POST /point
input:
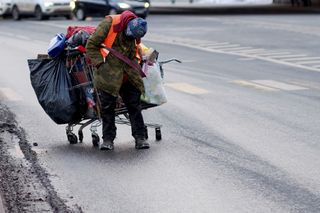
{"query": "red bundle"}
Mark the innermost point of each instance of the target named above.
(71, 30)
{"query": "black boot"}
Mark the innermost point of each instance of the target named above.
(107, 145)
(142, 143)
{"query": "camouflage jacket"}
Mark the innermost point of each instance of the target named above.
(109, 76)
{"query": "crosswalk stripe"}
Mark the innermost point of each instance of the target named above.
(236, 49)
(252, 51)
(269, 85)
(254, 85)
(226, 46)
(216, 44)
(187, 88)
(279, 85)
(206, 42)
(301, 59)
(220, 46)
(280, 57)
(308, 62)
(212, 44)
(287, 56)
(246, 59)
(272, 54)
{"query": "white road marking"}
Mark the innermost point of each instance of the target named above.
(309, 62)
(279, 85)
(301, 59)
(270, 54)
(215, 44)
(246, 59)
(226, 46)
(8, 94)
(252, 51)
(187, 88)
(236, 49)
(288, 56)
(254, 85)
(261, 54)
(204, 43)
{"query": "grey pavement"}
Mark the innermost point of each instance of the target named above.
(197, 8)
(1, 206)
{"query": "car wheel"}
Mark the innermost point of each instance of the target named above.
(15, 13)
(38, 13)
(80, 14)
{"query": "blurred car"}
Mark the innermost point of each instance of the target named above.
(100, 8)
(5, 8)
(41, 9)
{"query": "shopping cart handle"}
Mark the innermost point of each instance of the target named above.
(164, 62)
(168, 61)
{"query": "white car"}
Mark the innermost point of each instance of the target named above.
(41, 9)
(5, 7)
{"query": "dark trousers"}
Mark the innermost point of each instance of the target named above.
(131, 98)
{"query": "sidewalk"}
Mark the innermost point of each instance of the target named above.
(194, 8)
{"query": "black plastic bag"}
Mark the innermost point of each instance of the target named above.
(52, 84)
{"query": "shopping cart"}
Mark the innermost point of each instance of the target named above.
(81, 70)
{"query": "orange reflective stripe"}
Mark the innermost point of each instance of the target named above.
(138, 53)
(111, 37)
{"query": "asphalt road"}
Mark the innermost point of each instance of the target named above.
(240, 130)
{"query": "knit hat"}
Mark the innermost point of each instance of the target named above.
(136, 28)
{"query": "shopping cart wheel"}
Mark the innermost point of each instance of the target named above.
(80, 135)
(146, 132)
(95, 139)
(72, 138)
(158, 134)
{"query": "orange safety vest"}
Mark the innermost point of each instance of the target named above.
(111, 37)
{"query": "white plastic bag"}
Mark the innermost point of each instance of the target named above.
(153, 84)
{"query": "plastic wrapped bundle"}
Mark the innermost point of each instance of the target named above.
(153, 84)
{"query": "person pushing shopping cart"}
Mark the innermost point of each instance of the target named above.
(114, 51)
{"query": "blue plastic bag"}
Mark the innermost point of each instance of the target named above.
(56, 45)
